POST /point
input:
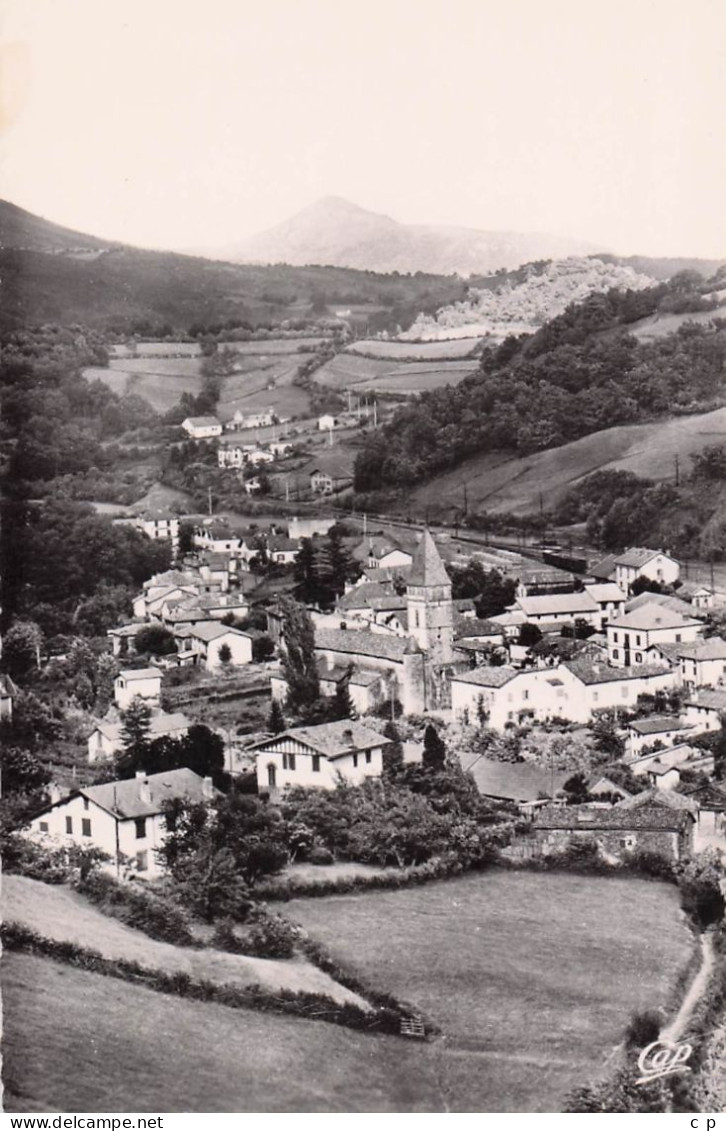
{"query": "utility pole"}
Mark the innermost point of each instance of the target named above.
(209, 497)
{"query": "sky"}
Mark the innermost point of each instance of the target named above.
(180, 124)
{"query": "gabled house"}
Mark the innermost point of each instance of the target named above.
(703, 663)
(319, 756)
(144, 683)
(202, 427)
(631, 635)
(122, 818)
(610, 599)
(208, 639)
(106, 738)
(642, 734)
(640, 562)
(560, 608)
(704, 709)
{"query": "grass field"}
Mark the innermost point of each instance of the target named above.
(658, 325)
(62, 914)
(79, 1042)
(497, 483)
(157, 349)
(415, 351)
(532, 977)
(365, 374)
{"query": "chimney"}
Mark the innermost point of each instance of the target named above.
(207, 787)
(144, 787)
(54, 793)
(348, 736)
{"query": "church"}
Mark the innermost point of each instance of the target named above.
(415, 666)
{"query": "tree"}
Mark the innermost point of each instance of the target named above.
(156, 640)
(186, 539)
(22, 771)
(529, 635)
(21, 648)
(225, 655)
(336, 564)
(298, 657)
(263, 648)
(305, 572)
(276, 719)
(342, 706)
(434, 749)
(393, 752)
(200, 749)
(576, 789)
(135, 728)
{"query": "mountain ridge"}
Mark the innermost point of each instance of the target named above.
(336, 232)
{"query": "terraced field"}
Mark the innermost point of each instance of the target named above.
(415, 351)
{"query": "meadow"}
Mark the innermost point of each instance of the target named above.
(530, 977)
(415, 351)
(498, 482)
(366, 374)
(160, 381)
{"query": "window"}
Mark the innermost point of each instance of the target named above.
(615, 638)
(595, 696)
(316, 763)
(140, 828)
(615, 653)
(637, 639)
(142, 861)
(525, 694)
(288, 761)
(368, 757)
(86, 826)
(69, 825)
(85, 803)
(678, 638)
(638, 658)
(44, 826)
(355, 760)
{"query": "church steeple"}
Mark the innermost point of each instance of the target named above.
(430, 608)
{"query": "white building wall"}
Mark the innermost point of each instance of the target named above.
(126, 688)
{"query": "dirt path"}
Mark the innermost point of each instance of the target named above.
(679, 1024)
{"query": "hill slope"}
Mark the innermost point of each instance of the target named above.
(51, 274)
(501, 483)
(337, 232)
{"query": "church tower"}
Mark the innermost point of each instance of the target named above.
(430, 608)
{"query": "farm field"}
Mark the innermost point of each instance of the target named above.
(531, 977)
(415, 351)
(157, 349)
(248, 388)
(496, 482)
(271, 346)
(120, 1047)
(160, 381)
(365, 374)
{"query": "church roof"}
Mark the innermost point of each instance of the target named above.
(427, 567)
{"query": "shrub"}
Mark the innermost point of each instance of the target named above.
(141, 909)
(272, 937)
(643, 1029)
(319, 854)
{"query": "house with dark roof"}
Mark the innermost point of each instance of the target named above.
(643, 734)
(124, 818)
(639, 561)
(703, 662)
(319, 756)
(704, 709)
(560, 608)
(631, 635)
(142, 683)
(520, 783)
(210, 641)
(615, 832)
(106, 738)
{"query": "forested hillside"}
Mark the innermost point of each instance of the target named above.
(580, 373)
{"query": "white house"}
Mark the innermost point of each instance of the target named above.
(640, 562)
(282, 550)
(142, 682)
(216, 536)
(703, 663)
(645, 733)
(160, 525)
(563, 608)
(202, 427)
(326, 423)
(658, 761)
(233, 455)
(631, 635)
(704, 710)
(319, 756)
(106, 740)
(122, 818)
(243, 420)
(209, 638)
(573, 690)
(609, 597)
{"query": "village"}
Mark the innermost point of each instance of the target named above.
(591, 705)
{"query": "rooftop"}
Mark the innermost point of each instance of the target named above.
(427, 567)
(550, 603)
(334, 740)
(636, 556)
(603, 591)
(202, 421)
(713, 649)
(623, 816)
(487, 676)
(652, 615)
(605, 567)
(590, 673)
(360, 643)
(715, 700)
(139, 673)
(126, 799)
(657, 724)
(514, 781)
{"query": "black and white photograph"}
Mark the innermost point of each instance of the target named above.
(362, 558)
